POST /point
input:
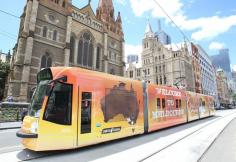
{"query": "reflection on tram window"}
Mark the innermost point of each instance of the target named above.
(158, 103)
(86, 112)
(163, 103)
(58, 108)
(177, 104)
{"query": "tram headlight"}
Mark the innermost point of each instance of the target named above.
(34, 127)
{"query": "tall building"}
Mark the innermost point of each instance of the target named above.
(132, 59)
(162, 65)
(208, 75)
(162, 36)
(222, 61)
(56, 33)
(222, 87)
(234, 76)
(196, 68)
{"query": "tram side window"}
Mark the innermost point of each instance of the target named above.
(163, 103)
(177, 103)
(180, 104)
(59, 105)
(86, 105)
(203, 103)
(158, 103)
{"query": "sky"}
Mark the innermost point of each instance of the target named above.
(210, 23)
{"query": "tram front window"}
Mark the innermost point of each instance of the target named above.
(59, 106)
(37, 99)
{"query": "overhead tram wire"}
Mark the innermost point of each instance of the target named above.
(10, 14)
(7, 33)
(8, 36)
(163, 10)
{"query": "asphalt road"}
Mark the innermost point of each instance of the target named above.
(9, 143)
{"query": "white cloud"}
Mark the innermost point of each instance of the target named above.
(123, 2)
(203, 27)
(216, 46)
(142, 6)
(233, 67)
(127, 20)
(133, 49)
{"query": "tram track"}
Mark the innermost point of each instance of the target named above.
(188, 135)
(27, 155)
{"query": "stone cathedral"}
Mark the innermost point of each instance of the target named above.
(56, 33)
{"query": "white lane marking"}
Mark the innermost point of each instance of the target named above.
(11, 147)
(10, 157)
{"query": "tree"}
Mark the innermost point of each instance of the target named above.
(234, 98)
(4, 71)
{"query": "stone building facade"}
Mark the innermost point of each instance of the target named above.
(56, 33)
(163, 65)
(222, 87)
(196, 68)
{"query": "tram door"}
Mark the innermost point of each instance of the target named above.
(86, 105)
(85, 136)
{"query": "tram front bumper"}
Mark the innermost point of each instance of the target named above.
(26, 135)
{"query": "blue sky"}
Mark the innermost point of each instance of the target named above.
(210, 23)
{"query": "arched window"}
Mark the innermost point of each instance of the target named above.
(98, 58)
(165, 81)
(72, 48)
(85, 52)
(54, 35)
(45, 31)
(46, 61)
(64, 4)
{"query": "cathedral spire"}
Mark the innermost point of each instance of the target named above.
(105, 10)
(106, 3)
(148, 31)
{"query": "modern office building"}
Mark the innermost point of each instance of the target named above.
(162, 36)
(208, 75)
(222, 61)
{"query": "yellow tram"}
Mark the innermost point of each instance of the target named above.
(74, 107)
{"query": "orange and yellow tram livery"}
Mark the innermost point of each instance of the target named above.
(74, 107)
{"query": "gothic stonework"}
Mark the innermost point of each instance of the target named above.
(56, 33)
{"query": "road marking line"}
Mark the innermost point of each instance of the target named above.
(8, 131)
(11, 147)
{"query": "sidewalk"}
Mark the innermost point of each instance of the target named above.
(10, 125)
(224, 147)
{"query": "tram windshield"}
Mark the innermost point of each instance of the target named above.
(43, 79)
(37, 99)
